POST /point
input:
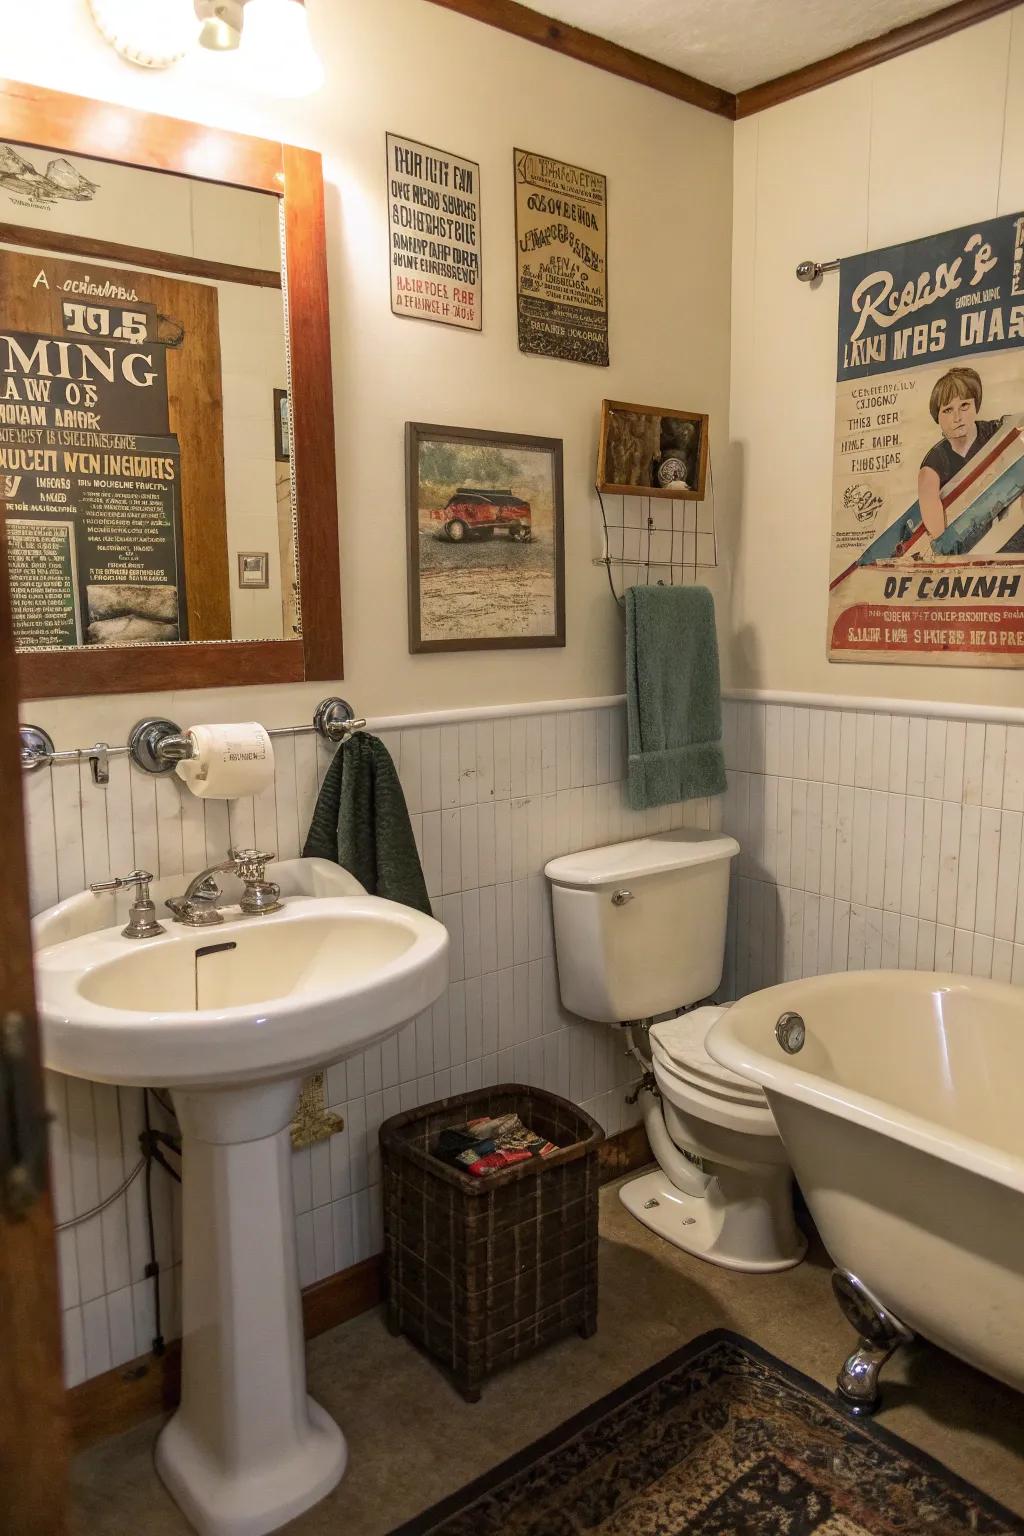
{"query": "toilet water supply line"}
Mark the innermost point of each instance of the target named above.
(687, 1175)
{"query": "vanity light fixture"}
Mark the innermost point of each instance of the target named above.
(277, 48)
(271, 37)
(222, 24)
(152, 33)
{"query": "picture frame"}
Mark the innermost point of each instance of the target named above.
(638, 441)
(282, 426)
(486, 540)
(253, 568)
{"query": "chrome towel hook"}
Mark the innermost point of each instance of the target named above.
(332, 719)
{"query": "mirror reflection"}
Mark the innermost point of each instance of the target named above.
(144, 430)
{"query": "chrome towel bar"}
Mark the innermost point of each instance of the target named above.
(156, 745)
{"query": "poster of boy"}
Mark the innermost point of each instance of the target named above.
(927, 548)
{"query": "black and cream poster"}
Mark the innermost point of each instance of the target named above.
(90, 478)
(561, 259)
(434, 234)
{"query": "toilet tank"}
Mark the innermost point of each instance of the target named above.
(640, 926)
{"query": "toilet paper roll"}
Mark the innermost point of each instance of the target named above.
(228, 761)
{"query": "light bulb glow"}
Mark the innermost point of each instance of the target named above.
(277, 52)
(151, 33)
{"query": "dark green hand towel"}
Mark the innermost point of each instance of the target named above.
(673, 697)
(361, 822)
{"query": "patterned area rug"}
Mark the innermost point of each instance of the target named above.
(719, 1439)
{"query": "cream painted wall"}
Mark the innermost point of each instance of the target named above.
(923, 143)
(414, 68)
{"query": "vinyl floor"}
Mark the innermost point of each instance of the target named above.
(412, 1439)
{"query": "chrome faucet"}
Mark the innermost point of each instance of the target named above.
(197, 908)
(142, 923)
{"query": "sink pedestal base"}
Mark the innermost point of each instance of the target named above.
(247, 1449)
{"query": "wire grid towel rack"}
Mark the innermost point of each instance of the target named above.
(657, 538)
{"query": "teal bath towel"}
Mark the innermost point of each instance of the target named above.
(361, 822)
(673, 697)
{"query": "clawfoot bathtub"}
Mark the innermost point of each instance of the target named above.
(899, 1102)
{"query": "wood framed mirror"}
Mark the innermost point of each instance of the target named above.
(153, 428)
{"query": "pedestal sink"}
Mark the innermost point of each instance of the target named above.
(231, 1018)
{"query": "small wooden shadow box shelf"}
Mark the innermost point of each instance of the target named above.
(483, 1271)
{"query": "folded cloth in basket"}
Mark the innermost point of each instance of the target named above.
(489, 1143)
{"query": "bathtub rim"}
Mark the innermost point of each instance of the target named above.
(787, 1078)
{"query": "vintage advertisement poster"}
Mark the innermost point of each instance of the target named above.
(434, 234)
(561, 259)
(89, 477)
(111, 435)
(927, 558)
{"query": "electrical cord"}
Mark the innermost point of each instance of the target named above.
(152, 1269)
(151, 1141)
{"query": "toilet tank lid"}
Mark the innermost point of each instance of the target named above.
(652, 855)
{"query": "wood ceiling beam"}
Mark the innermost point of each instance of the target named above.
(914, 34)
(574, 43)
(509, 16)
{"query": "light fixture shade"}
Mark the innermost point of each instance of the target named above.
(222, 24)
(277, 51)
(151, 33)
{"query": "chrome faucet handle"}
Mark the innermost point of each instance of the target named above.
(250, 863)
(260, 895)
(142, 923)
(139, 877)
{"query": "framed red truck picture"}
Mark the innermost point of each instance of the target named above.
(486, 547)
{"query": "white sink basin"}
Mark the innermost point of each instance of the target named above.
(231, 1017)
(252, 999)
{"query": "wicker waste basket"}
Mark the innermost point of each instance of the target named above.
(482, 1271)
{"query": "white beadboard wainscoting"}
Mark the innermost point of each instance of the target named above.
(869, 837)
(872, 838)
(491, 801)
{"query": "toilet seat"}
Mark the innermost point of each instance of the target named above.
(704, 1091)
(678, 1046)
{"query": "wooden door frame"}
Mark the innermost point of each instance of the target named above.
(33, 1425)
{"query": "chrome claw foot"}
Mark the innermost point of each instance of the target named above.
(857, 1382)
(881, 1334)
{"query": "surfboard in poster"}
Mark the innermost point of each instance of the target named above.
(927, 549)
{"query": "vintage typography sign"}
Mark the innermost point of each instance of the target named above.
(434, 234)
(111, 420)
(89, 470)
(89, 478)
(927, 559)
(561, 259)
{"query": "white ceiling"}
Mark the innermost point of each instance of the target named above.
(735, 44)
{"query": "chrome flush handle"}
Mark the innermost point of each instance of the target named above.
(620, 897)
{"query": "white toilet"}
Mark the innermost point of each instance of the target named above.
(639, 932)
